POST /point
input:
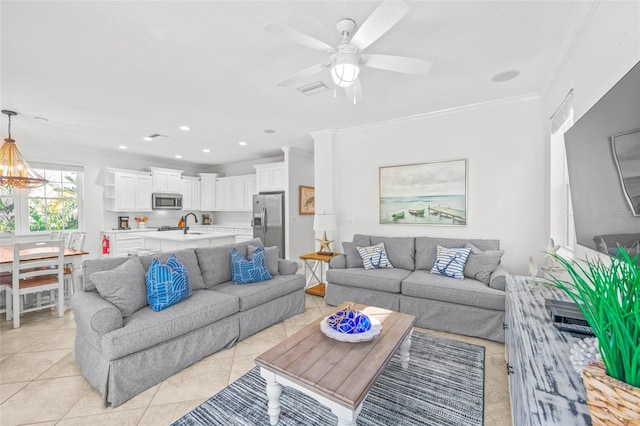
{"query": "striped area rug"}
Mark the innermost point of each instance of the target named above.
(444, 385)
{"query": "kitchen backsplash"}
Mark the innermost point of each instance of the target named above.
(160, 218)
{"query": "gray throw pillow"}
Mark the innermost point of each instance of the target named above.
(353, 257)
(480, 264)
(271, 256)
(124, 286)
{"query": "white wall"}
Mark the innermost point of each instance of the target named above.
(503, 142)
(606, 47)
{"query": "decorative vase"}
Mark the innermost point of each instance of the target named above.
(611, 401)
(142, 225)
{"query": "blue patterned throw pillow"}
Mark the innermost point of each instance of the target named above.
(252, 269)
(450, 262)
(374, 257)
(167, 283)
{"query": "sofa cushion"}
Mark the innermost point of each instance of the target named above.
(271, 256)
(167, 283)
(450, 262)
(247, 270)
(90, 266)
(470, 292)
(480, 264)
(426, 248)
(400, 250)
(353, 257)
(374, 257)
(215, 262)
(257, 294)
(187, 257)
(387, 280)
(147, 328)
(123, 286)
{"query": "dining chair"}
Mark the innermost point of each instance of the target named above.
(55, 235)
(37, 267)
(76, 242)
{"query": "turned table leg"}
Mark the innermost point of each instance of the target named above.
(274, 390)
(404, 351)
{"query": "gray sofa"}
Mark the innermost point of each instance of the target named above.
(123, 356)
(469, 306)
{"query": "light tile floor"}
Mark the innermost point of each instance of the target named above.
(40, 383)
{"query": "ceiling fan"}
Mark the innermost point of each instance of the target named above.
(347, 58)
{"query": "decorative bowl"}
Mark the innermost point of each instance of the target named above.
(350, 325)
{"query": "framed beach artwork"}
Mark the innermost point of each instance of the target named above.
(307, 200)
(424, 194)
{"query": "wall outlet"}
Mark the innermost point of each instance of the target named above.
(349, 221)
(294, 219)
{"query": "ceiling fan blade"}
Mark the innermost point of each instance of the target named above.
(397, 63)
(378, 23)
(298, 37)
(354, 92)
(304, 74)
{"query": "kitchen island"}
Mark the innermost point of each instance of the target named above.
(176, 240)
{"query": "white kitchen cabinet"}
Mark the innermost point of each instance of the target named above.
(208, 186)
(122, 244)
(191, 193)
(166, 180)
(270, 177)
(249, 191)
(231, 193)
(127, 190)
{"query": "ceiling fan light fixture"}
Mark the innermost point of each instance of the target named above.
(16, 172)
(345, 69)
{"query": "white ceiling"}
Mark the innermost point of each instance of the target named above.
(106, 74)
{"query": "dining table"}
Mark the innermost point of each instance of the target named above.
(71, 256)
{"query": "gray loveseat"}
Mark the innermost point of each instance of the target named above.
(469, 306)
(123, 356)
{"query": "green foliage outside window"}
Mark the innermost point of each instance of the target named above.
(52, 207)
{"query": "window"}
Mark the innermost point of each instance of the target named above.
(55, 206)
(7, 217)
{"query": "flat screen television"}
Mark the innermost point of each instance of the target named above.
(603, 160)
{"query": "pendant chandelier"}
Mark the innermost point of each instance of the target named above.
(15, 170)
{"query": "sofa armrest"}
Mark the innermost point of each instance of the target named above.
(287, 267)
(94, 315)
(498, 278)
(338, 262)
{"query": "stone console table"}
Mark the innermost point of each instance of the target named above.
(544, 388)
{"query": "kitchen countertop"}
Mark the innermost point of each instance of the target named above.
(125, 231)
(191, 236)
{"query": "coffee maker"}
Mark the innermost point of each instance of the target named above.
(206, 219)
(123, 222)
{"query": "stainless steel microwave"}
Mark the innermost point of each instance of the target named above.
(166, 201)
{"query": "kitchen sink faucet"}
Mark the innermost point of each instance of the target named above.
(184, 219)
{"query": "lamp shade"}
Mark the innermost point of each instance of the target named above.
(345, 70)
(324, 222)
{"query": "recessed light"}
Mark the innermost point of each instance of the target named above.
(178, 156)
(242, 143)
(269, 131)
(505, 76)
(148, 138)
(206, 150)
(185, 128)
(122, 147)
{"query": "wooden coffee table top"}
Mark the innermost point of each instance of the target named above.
(340, 371)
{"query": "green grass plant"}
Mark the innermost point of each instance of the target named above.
(608, 294)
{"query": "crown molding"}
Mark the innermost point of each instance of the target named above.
(454, 110)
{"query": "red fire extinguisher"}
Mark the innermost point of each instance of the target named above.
(105, 244)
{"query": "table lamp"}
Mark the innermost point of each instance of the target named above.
(324, 222)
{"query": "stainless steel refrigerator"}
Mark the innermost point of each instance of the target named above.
(268, 219)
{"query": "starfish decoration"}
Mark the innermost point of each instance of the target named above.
(325, 244)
